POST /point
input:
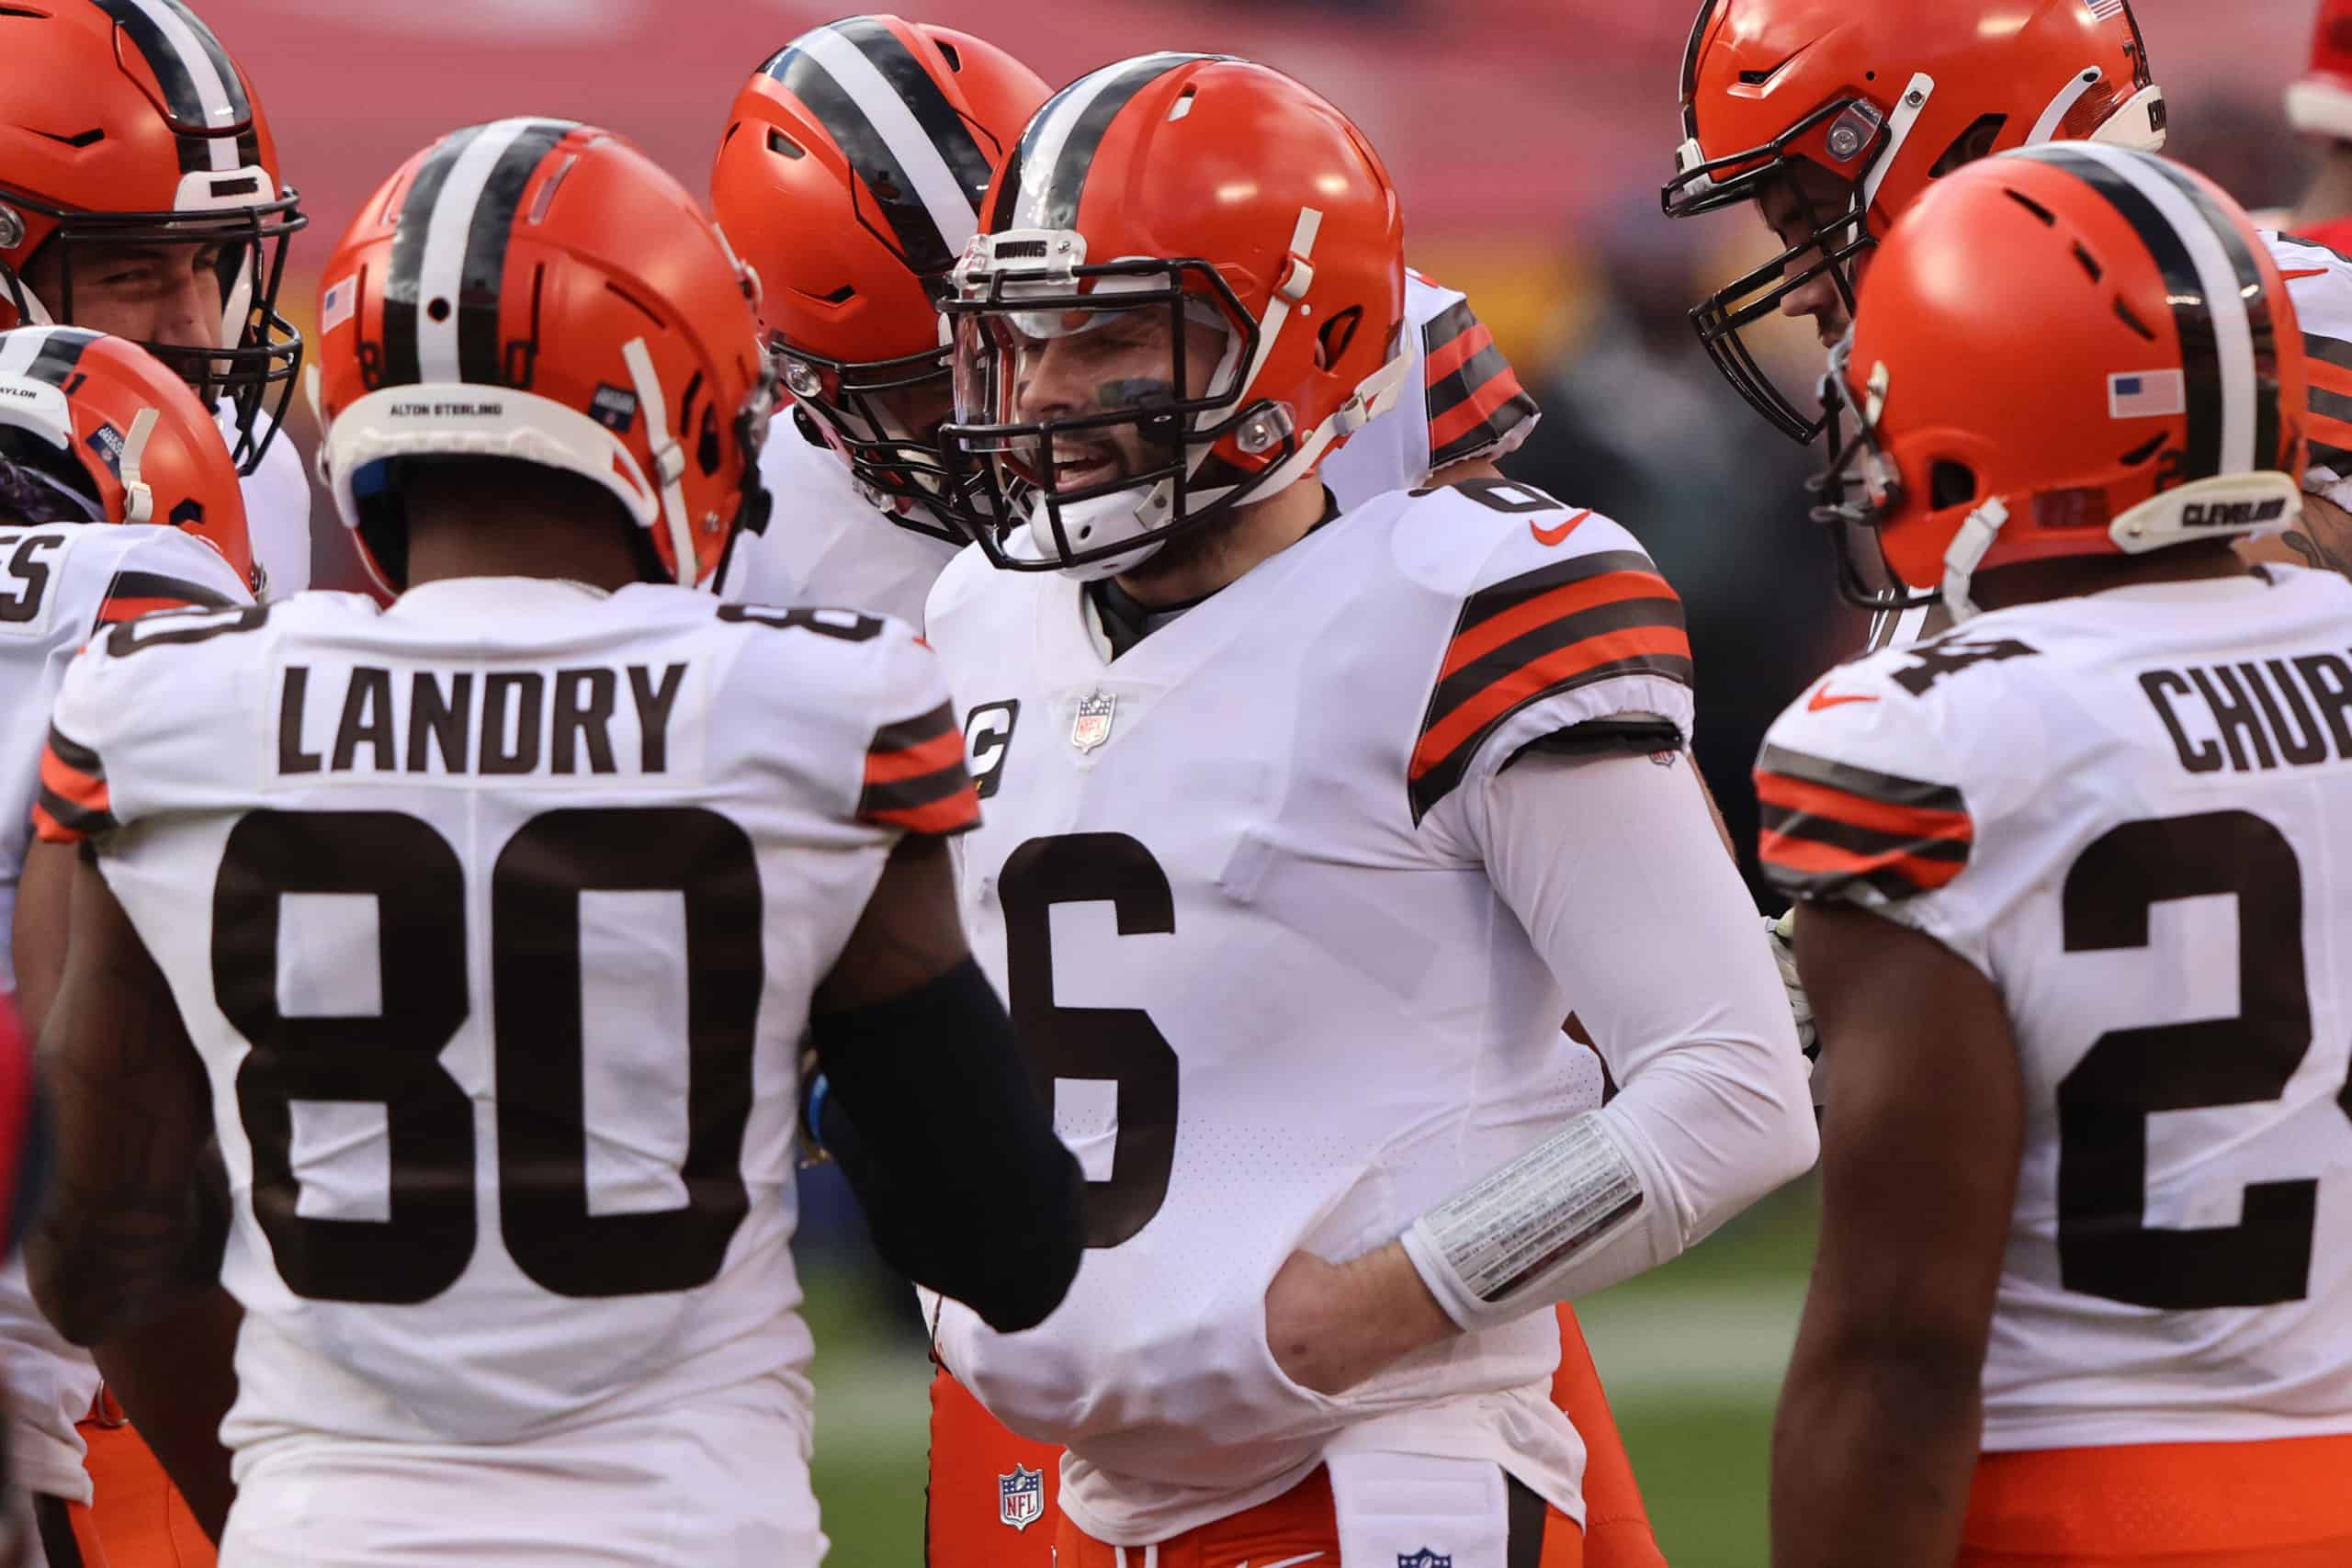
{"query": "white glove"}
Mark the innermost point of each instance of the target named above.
(1781, 933)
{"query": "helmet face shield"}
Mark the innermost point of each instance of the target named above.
(883, 417)
(254, 365)
(1120, 467)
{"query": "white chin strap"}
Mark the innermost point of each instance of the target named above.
(1966, 552)
(669, 459)
(138, 502)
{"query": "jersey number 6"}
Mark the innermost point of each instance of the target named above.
(391, 1059)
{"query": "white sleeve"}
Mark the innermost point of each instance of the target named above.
(1615, 869)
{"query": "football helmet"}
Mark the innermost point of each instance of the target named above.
(1887, 99)
(2320, 104)
(1211, 191)
(539, 289)
(128, 124)
(2067, 350)
(850, 178)
(95, 429)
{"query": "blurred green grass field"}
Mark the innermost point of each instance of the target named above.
(1691, 1355)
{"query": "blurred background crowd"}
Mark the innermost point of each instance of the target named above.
(1529, 139)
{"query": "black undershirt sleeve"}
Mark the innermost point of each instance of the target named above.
(931, 1115)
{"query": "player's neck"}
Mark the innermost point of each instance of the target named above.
(508, 519)
(2030, 583)
(2330, 195)
(1190, 569)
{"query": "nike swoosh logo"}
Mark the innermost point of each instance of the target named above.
(1543, 536)
(2289, 276)
(1822, 699)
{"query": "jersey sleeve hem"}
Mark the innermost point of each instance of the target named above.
(74, 804)
(1833, 829)
(915, 779)
(1476, 405)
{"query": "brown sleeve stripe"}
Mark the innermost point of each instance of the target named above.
(1828, 826)
(135, 594)
(74, 803)
(915, 777)
(1474, 396)
(1583, 620)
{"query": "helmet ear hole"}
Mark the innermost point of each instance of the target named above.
(1338, 332)
(1970, 145)
(1950, 484)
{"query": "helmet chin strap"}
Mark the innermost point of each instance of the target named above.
(138, 505)
(1966, 552)
(669, 459)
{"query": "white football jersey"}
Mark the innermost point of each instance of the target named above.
(2129, 811)
(826, 544)
(1256, 961)
(277, 514)
(59, 584)
(495, 916)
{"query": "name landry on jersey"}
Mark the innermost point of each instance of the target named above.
(590, 722)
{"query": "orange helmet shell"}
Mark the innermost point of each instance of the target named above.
(1264, 208)
(2321, 103)
(121, 427)
(126, 119)
(540, 289)
(851, 173)
(2097, 340)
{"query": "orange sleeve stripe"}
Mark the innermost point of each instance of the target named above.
(50, 831)
(1913, 822)
(2328, 378)
(1529, 680)
(1812, 857)
(1456, 355)
(1469, 414)
(941, 750)
(2331, 432)
(951, 815)
(82, 789)
(1609, 588)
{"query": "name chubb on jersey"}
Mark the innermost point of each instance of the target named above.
(595, 720)
(2254, 717)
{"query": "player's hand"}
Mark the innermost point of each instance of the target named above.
(1780, 932)
(1331, 1325)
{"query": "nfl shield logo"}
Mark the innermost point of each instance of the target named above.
(1021, 1496)
(1424, 1558)
(1093, 725)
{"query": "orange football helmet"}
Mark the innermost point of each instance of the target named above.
(95, 429)
(2067, 350)
(538, 289)
(125, 123)
(1216, 191)
(1888, 98)
(850, 178)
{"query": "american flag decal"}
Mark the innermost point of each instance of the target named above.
(2107, 10)
(2147, 394)
(338, 304)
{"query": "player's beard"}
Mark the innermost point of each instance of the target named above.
(1195, 551)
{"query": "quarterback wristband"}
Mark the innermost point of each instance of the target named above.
(1495, 1251)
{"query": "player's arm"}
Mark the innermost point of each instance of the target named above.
(953, 1156)
(1877, 1434)
(127, 1258)
(1614, 865)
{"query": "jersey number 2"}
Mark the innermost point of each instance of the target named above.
(392, 1058)
(2105, 1245)
(1120, 1045)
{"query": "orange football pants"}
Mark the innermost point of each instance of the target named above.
(2286, 1502)
(138, 1519)
(970, 1449)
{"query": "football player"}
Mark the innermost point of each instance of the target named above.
(2319, 106)
(850, 178)
(1302, 824)
(92, 431)
(140, 196)
(1831, 118)
(2077, 901)
(483, 930)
